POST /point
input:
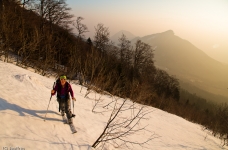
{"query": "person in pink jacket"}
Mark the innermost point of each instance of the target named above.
(64, 90)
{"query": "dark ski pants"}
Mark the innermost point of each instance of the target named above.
(64, 106)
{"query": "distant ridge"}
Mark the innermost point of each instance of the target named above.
(116, 36)
(189, 64)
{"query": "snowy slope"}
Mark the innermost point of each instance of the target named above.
(24, 97)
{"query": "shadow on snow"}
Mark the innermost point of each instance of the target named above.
(4, 105)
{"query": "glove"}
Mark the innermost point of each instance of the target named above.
(52, 92)
(73, 99)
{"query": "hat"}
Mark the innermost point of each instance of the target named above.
(63, 77)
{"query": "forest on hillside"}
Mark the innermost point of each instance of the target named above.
(40, 34)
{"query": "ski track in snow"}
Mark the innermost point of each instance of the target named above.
(24, 97)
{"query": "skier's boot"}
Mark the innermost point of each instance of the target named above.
(70, 121)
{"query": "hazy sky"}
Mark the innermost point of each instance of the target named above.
(202, 22)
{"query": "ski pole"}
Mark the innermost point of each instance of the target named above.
(73, 115)
(49, 103)
(73, 106)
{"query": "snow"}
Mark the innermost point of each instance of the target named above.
(24, 97)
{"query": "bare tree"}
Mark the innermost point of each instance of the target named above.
(93, 62)
(166, 85)
(125, 51)
(77, 50)
(7, 29)
(81, 28)
(120, 127)
(25, 3)
(101, 38)
(1, 27)
(143, 56)
(221, 124)
(29, 46)
(54, 11)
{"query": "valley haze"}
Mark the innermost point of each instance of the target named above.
(203, 23)
(197, 72)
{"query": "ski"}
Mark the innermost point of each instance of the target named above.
(72, 127)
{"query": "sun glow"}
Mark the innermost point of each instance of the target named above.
(204, 23)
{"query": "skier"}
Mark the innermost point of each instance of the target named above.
(63, 88)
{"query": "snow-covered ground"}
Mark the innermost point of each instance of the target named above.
(24, 97)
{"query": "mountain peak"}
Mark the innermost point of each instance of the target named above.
(116, 36)
(168, 32)
(126, 33)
